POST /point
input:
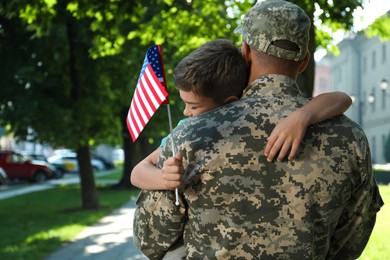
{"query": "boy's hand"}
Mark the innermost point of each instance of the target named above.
(286, 136)
(171, 170)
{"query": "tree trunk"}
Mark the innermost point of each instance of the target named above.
(89, 194)
(306, 79)
(88, 189)
(134, 152)
(128, 148)
(128, 165)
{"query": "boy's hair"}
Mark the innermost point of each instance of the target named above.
(216, 70)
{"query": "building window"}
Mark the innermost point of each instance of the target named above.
(384, 52)
(373, 150)
(364, 64)
(373, 59)
(384, 99)
(339, 71)
(365, 103)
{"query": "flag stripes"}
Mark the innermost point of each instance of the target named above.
(148, 96)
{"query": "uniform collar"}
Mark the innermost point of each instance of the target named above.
(272, 85)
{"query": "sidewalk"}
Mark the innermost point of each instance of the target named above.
(7, 192)
(109, 239)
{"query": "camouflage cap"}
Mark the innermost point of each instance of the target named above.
(276, 20)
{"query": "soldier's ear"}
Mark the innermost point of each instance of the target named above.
(304, 63)
(246, 52)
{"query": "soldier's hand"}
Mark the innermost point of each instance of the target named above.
(172, 172)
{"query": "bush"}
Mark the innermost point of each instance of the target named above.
(382, 176)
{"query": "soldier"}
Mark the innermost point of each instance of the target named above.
(237, 204)
(216, 74)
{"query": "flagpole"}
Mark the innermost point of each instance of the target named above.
(173, 149)
(152, 82)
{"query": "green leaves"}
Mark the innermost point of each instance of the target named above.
(91, 53)
(380, 27)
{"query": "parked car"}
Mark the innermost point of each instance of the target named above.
(71, 163)
(108, 164)
(17, 166)
(3, 177)
(58, 168)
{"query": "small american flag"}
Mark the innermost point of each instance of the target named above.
(149, 93)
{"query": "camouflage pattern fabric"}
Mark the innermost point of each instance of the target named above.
(321, 205)
(272, 20)
(149, 224)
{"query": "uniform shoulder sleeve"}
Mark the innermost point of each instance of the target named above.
(158, 222)
(358, 218)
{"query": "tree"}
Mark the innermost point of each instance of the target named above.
(59, 89)
(77, 69)
(380, 27)
(200, 21)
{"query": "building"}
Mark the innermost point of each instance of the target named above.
(363, 71)
(322, 77)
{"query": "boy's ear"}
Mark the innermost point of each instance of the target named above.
(230, 99)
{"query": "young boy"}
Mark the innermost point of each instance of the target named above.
(216, 74)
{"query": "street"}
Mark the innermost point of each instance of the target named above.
(17, 187)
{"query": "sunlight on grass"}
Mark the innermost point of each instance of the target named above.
(65, 233)
(38, 223)
(378, 245)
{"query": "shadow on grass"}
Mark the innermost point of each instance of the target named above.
(36, 224)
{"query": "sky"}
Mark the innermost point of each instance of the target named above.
(363, 17)
(372, 10)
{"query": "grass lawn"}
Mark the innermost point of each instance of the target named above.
(378, 246)
(36, 224)
(115, 175)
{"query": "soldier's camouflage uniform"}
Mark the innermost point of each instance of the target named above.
(236, 205)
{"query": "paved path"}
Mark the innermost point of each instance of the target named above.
(12, 190)
(109, 239)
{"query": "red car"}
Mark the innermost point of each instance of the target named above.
(16, 166)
